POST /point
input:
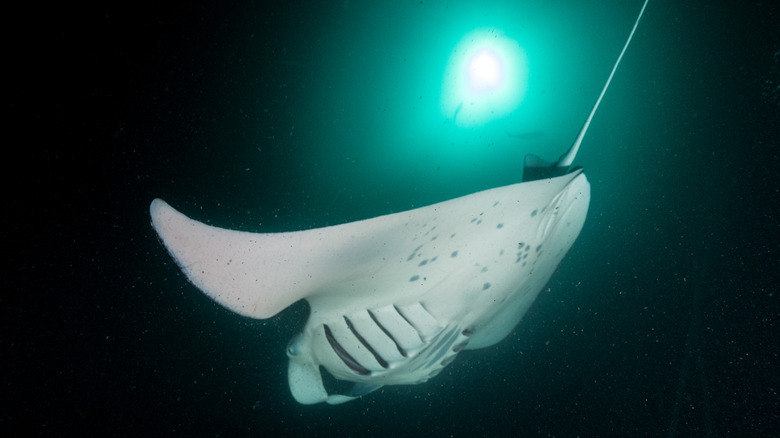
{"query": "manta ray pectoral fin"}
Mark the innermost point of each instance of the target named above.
(252, 274)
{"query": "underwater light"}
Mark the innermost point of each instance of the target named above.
(484, 71)
(485, 78)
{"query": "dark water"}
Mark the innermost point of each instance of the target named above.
(661, 321)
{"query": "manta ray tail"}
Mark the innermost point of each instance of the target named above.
(536, 168)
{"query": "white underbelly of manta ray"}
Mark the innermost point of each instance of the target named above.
(395, 298)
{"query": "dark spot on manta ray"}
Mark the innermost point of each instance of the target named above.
(414, 278)
(486, 286)
(484, 269)
(454, 254)
(495, 203)
(539, 248)
(423, 263)
(533, 213)
(414, 253)
(500, 226)
(452, 235)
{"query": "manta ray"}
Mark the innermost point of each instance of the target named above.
(394, 299)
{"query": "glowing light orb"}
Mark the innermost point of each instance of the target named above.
(484, 71)
(485, 78)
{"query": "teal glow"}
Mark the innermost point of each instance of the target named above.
(377, 123)
(486, 78)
